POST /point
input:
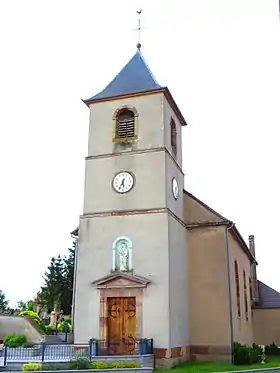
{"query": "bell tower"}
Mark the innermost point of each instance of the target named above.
(131, 266)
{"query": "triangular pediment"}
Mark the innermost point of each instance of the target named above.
(121, 280)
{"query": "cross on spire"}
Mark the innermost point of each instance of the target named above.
(139, 28)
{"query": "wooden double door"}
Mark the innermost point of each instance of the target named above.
(121, 326)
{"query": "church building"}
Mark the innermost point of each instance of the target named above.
(152, 260)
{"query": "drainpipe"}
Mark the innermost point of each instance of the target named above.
(74, 282)
(228, 227)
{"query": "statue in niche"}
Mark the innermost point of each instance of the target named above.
(123, 256)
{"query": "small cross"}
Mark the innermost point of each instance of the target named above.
(139, 28)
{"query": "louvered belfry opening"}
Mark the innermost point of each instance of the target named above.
(125, 124)
(173, 136)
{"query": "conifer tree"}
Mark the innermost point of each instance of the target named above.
(58, 283)
(3, 302)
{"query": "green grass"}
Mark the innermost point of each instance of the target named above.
(211, 367)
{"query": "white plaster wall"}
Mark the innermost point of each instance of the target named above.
(149, 234)
(168, 114)
(147, 193)
(151, 124)
(159, 244)
(171, 170)
(178, 284)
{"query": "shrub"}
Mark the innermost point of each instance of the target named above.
(98, 365)
(258, 350)
(131, 364)
(117, 364)
(42, 326)
(80, 363)
(114, 365)
(14, 341)
(246, 355)
(51, 366)
(272, 350)
(8, 337)
(31, 367)
(33, 315)
(49, 329)
(28, 345)
(64, 327)
(68, 320)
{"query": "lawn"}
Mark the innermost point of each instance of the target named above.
(192, 367)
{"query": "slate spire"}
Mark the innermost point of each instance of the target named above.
(135, 77)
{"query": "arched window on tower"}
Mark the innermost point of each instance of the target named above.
(173, 136)
(124, 123)
(237, 285)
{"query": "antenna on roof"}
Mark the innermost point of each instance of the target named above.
(139, 11)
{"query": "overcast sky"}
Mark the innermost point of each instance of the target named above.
(219, 58)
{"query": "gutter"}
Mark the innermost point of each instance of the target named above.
(74, 281)
(235, 231)
(227, 228)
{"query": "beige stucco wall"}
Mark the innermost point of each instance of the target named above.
(266, 326)
(209, 306)
(209, 292)
(243, 330)
(195, 212)
(209, 287)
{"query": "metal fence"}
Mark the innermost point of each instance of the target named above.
(44, 353)
(66, 352)
(124, 346)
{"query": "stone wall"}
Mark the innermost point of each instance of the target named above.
(21, 325)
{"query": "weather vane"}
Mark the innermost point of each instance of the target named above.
(139, 28)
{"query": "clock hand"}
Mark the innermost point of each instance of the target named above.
(122, 183)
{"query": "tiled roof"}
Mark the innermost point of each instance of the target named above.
(269, 298)
(135, 77)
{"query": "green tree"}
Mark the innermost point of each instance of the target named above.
(30, 305)
(69, 266)
(58, 283)
(3, 303)
(21, 305)
(51, 291)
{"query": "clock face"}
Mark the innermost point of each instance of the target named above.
(123, 182)
(175, 188)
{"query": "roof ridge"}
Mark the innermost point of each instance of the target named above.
(147, 66)
(269, 297)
